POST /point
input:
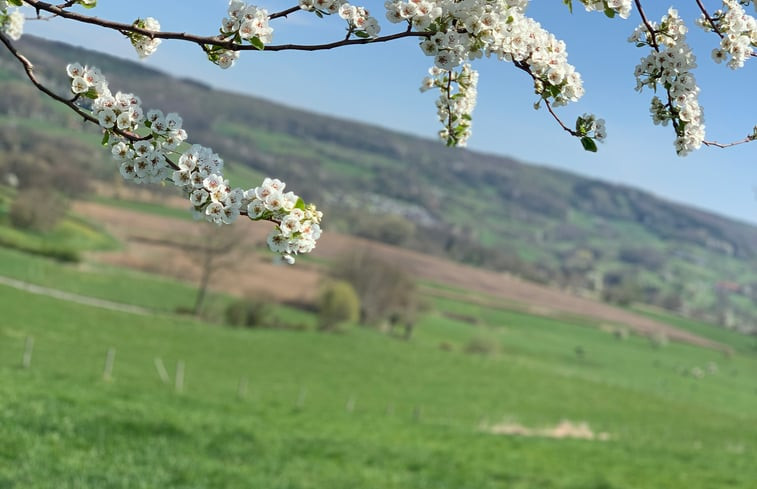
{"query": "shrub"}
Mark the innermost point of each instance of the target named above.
(36, 209)
(386, 292)
(481, 345)
(621, 334)
(658, 339)
(337, 303)
(21, 243)
(249, 313)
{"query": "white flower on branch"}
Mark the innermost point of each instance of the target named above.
(144, 154)
(145, 45)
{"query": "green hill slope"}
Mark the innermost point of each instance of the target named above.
(618, 243)
(362, 409)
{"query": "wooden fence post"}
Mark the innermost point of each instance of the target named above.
(179, 385)
(162, 373)
(301, 398)
(350, 407)
(242, 388)
(110, 358)
(26, 362)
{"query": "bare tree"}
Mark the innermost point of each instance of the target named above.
(388, 295)
(213, 249)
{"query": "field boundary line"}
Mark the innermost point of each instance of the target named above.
(71, 297)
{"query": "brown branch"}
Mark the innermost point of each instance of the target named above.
(522, 65)
(648, 25)
(559, 121)
(709, 18)
(284, 13)
(71, 103)
(656, 46)
(203, 41)
(717, 31)
(450, 130)
(716, 144)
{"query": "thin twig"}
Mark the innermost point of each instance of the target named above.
(65, 5)
(284, 13)
(648, 25)
(709, 18)
(715, 28)
(654, 44)
(559, 121)
(213, 40)
(716, 144)
(71, 103)
(522, 65)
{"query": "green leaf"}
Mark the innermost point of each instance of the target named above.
(17, 3)
(91, 93)
(300, 204)
(589, 144)
(569, 3)
(362, 34)
(86, 5)
(255, 41)
(610, 13)
(106, 138)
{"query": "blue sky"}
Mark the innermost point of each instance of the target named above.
(379, 84)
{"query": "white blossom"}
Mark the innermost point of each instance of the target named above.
(670, 67)
(738, 32)
(11, 24)
(145, 45)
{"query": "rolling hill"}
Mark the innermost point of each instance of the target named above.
(594, 238)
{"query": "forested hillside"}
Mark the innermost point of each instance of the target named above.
(616, 243)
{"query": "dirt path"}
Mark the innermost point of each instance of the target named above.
(70, 297)
(256, 275)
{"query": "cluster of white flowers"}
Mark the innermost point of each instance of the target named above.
(420, 14)
(86, 80)
(670, 68)
(145, 45)
(589, 125)
(462, 30)
(620, 7)
(454, 109)
(244, 23)
(298, 225)
(525, 42)
(359, 20)
(146, 158)
(248, 22)
(11, 23)
(738, 31)
(199, 174)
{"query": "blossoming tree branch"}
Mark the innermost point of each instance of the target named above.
(150, 146)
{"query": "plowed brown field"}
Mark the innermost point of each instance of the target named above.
(254, 273)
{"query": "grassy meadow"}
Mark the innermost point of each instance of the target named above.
(284, 409)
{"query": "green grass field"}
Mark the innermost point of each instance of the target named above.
(357, 409)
